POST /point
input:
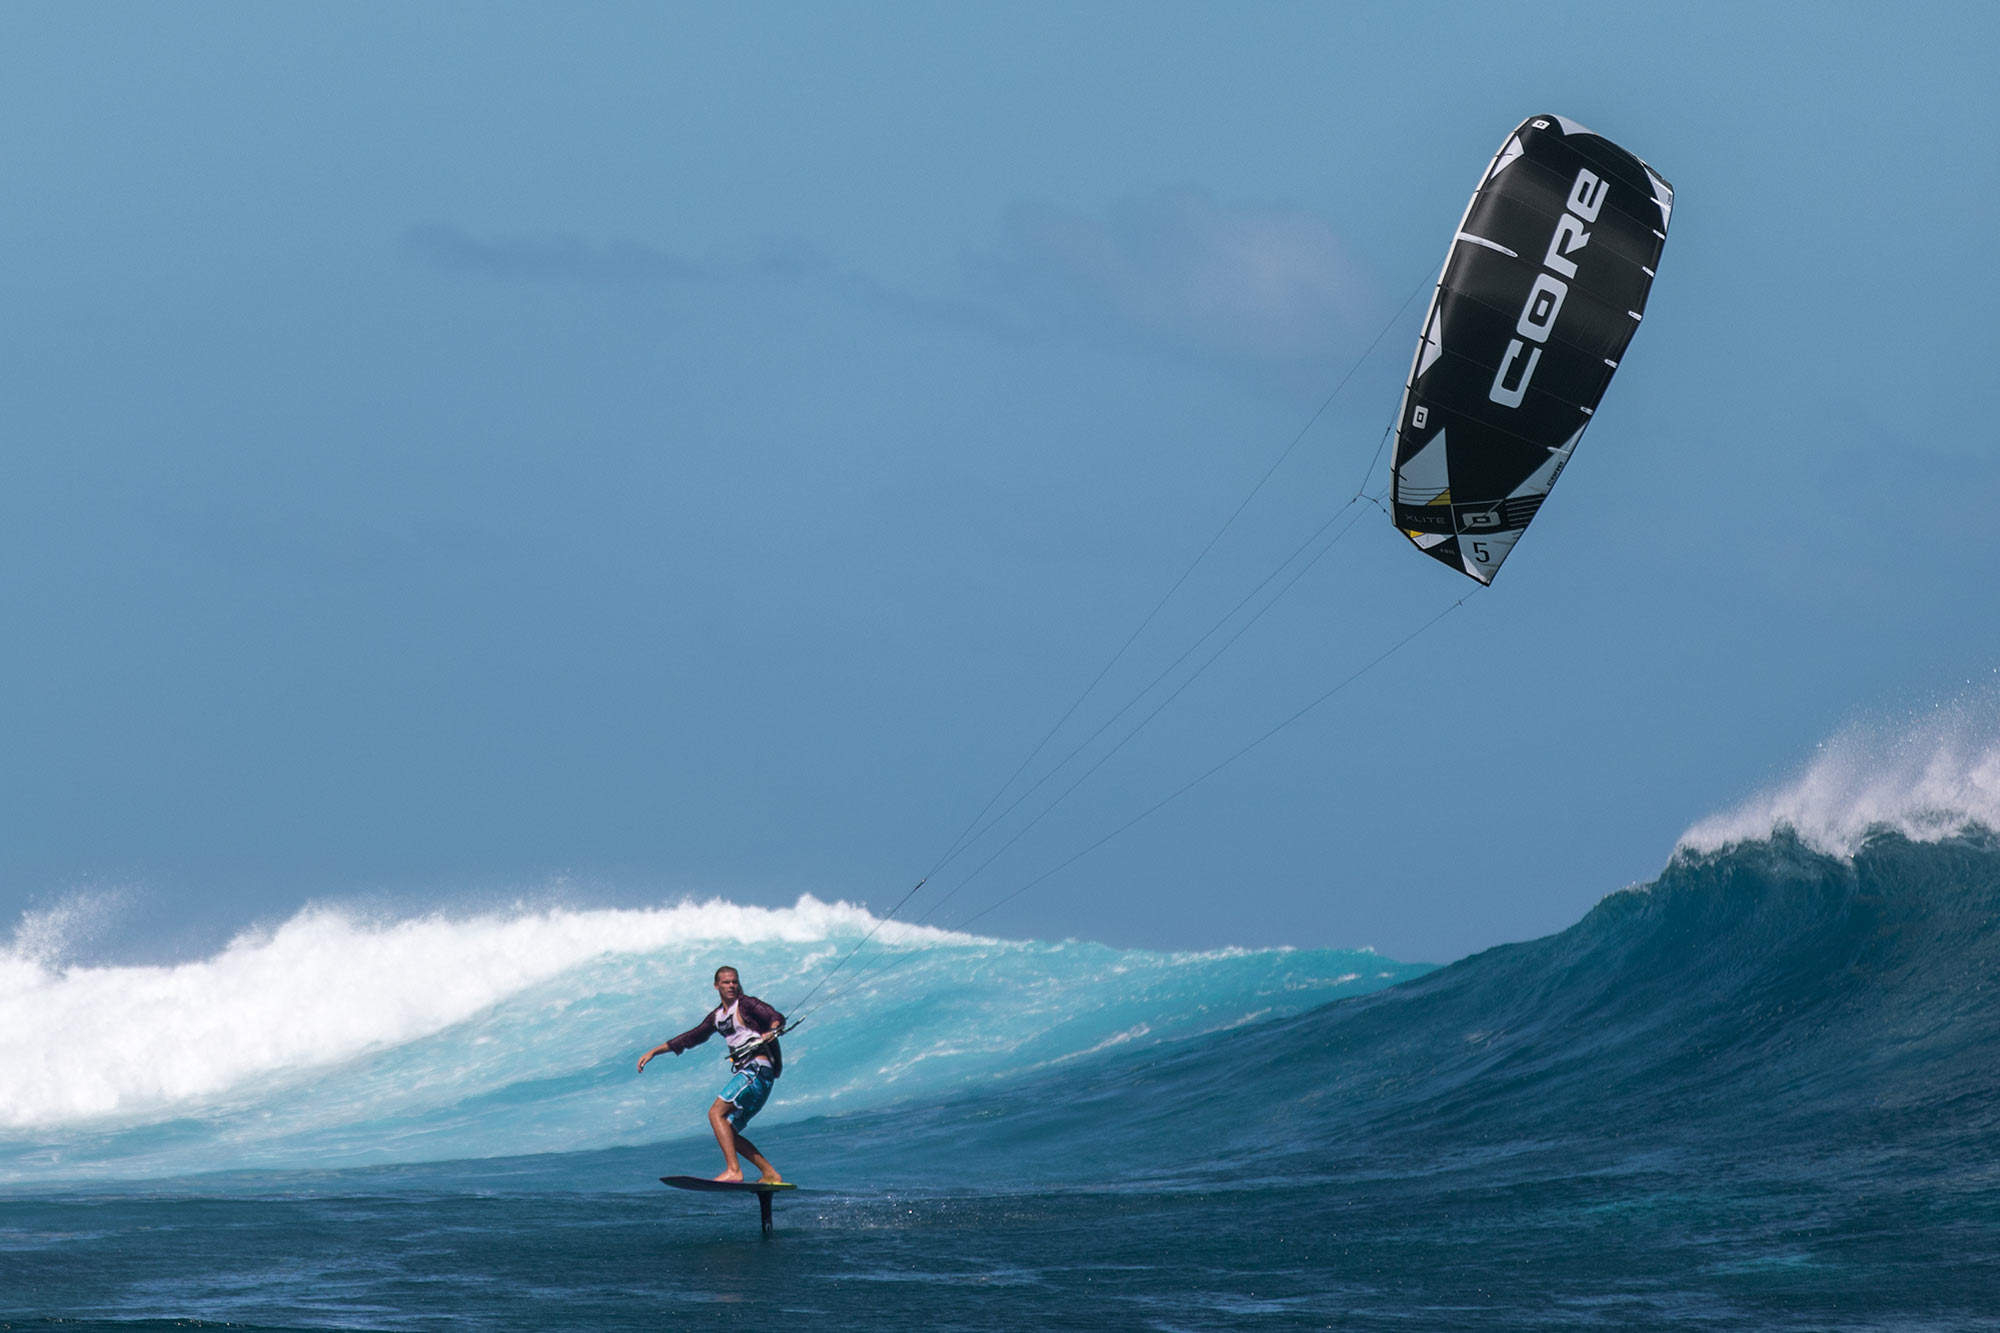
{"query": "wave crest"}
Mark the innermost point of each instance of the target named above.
(1927, 778)
(82, 1042)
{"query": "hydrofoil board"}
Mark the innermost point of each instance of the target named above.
(725, 1186)
(756, 1187)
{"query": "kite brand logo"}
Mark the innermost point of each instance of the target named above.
(1545, 298)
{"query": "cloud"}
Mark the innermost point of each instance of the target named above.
(1175, 274)
(617, 263)
(1179, 272)
(634, 264)
(983, 318)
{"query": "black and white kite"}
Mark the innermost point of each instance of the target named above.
(1542, 290)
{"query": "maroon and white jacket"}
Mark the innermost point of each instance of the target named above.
(752, 1017)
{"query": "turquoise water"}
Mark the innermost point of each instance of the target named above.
(1757, 1093)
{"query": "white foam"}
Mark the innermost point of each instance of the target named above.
(86, 1042)
(1928, 777)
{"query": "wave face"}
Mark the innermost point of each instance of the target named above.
(335, 1040)
(1764, 1008)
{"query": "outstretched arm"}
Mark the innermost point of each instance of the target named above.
(694, 1036)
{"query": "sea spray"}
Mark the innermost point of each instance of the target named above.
(1927, 777)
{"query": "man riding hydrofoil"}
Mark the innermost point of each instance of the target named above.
(750, 1028)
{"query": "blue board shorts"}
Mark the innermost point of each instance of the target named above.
(747, 1093)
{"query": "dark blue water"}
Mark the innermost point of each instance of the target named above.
(1756, 1094)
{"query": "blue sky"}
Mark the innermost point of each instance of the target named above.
(454, 452)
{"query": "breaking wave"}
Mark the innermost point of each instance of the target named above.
(336, 1038)
(1928, 778)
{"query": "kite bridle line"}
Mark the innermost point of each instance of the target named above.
(828, 976)
(1158, 708)
(1148, 812)
(959, 843)
(978, 826)
(1358, 497)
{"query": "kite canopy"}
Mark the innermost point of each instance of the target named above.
(1542, 290)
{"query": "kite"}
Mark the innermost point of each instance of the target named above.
(1543, 287)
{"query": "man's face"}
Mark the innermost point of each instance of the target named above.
(727, 986)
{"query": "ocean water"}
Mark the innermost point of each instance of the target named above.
(1755, 1093)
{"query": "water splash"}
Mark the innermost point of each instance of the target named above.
(1927, 777)
(51, 936)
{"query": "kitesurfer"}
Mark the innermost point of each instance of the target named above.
(750, 1028)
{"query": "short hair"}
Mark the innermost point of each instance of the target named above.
(725, 968)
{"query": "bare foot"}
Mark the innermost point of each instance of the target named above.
(733, 1177)
(770, 1178)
